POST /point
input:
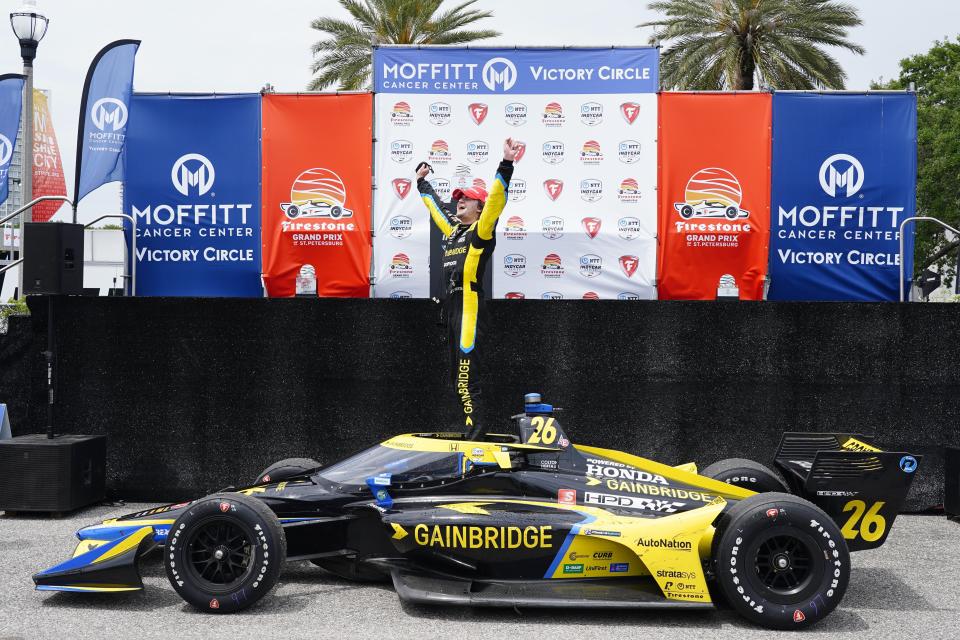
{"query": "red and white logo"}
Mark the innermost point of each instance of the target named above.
(798, 616)
(514, 295)
(214, 604)
(401, 187)
(478, 111)
(521, 149)
(224, 507)
(591, 226)
(266, 478)
(567, 496)
(629, 265)
(772, 513)
(630, 111)
(591, 295)
(553, 187)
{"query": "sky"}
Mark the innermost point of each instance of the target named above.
(239, 45)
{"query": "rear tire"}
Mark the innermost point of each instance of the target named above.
(225, 552)
(747, 474)
(780, 561)
(287, 468)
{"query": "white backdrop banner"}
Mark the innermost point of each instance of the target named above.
(581, 219)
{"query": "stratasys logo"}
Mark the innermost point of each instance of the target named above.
(193, 170)
(664, 543)
(712, 193)
(515, 229)
(514, 265)
(317, 193)
(102, 115)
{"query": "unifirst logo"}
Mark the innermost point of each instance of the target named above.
(201, 177)
(101, 115)
(499, 72)
(850, 178)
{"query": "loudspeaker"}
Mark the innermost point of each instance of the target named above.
(53, 258)
(52, 474)
(951, 473)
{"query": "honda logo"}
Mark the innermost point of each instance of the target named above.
(6, 149)
(186, 174)
(832, 179)
(109, 111)
(499, 72)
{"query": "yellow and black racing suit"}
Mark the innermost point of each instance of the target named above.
(466, 252)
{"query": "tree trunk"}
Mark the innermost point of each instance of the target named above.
(746, 66)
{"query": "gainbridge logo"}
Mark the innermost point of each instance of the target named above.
(400, 115)
(712, 193)
(553, 115)
(439, 152)
(317, 193)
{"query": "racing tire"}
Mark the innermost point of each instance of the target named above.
(335, 212)
(748, 474)
(287, 468)
(292, 211)
(732, 213)
(350, 569)
(225, 552)
(686, 212)
(780, 561)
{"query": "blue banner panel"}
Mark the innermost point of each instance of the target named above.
(11, 97)
(412, 70)
(844, 178)
(193, 185)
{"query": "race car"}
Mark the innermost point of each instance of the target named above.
(315, 209)
(525, 519)
(710, 209)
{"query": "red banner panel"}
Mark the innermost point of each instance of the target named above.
(317, 156)
(48, 177)
(714, 190)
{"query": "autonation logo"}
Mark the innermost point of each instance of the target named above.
(192, 170)
(108, 112)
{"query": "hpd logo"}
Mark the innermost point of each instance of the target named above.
(850, 178)
(102, 116)
(201, 177)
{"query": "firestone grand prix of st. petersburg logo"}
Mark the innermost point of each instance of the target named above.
(317, 193)
(712, 193)
(192, 171)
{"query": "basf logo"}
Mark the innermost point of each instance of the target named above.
(553, 152)
(499, 74)
(440, 113)
(6, 149)
(591, 265)
(401, 151)
(108, 112)
(517, 190)
(514, 265)
(192, 170)
(401, 226)
(515, 114)
(591, 113)
(849, 177)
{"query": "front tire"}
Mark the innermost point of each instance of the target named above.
(747, 474)
(780, 561)
(732, 213)
(686, 212)
(225, 552)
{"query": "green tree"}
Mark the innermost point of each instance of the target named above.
(729, 44)
(936, 77)
(343, 57)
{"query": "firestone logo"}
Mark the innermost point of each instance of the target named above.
(629, 265)
(478, 112)
(629, 190)
(439, 152)
(499, 74)
(400, 266)
(102, 116)
(201, 177)
(630, 111)
(553, 115)
(553, 188)
(851, 178)
(400, 114)
(591, 226)
(401, 187)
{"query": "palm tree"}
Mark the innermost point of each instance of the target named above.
(726, 44)
(344, 56)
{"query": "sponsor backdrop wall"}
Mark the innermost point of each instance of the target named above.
(714, 194)
(581, 216)
(844, 178)
(193, 184)
(317, 155)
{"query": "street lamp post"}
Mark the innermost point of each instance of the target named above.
(29, 25)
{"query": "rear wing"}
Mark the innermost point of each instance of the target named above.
(858, 484)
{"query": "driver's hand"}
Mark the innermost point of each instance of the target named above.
(511, 148)
(422, 170)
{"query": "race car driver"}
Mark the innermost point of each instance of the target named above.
(468, 223)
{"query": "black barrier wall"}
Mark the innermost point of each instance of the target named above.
(198, 394)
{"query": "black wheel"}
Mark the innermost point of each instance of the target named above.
(350, 569)
(335, 211)
(745, 473)
(225, 552)
(288, 468)
(293, 211)
(686, 211)
(732, 213)
(780, 561)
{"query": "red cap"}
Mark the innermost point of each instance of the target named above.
(474, 193)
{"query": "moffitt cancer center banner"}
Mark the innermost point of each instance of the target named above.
(844, 178)
(714, 195)
(317, 156)
(193, 185)
(582, 211)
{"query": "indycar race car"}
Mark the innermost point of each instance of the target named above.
(709, 209)
(525, 519)
(315, 209)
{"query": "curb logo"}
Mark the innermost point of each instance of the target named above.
(712, 193)
(553, 187)
(478, 112)
(101, 116)
(202, 177)
(850, 178)
(630, 111)
(499, 72)
(401, 187)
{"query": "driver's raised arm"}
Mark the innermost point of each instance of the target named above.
(440, 212)
(497, 199)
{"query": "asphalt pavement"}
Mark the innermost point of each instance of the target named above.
(910, 587)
